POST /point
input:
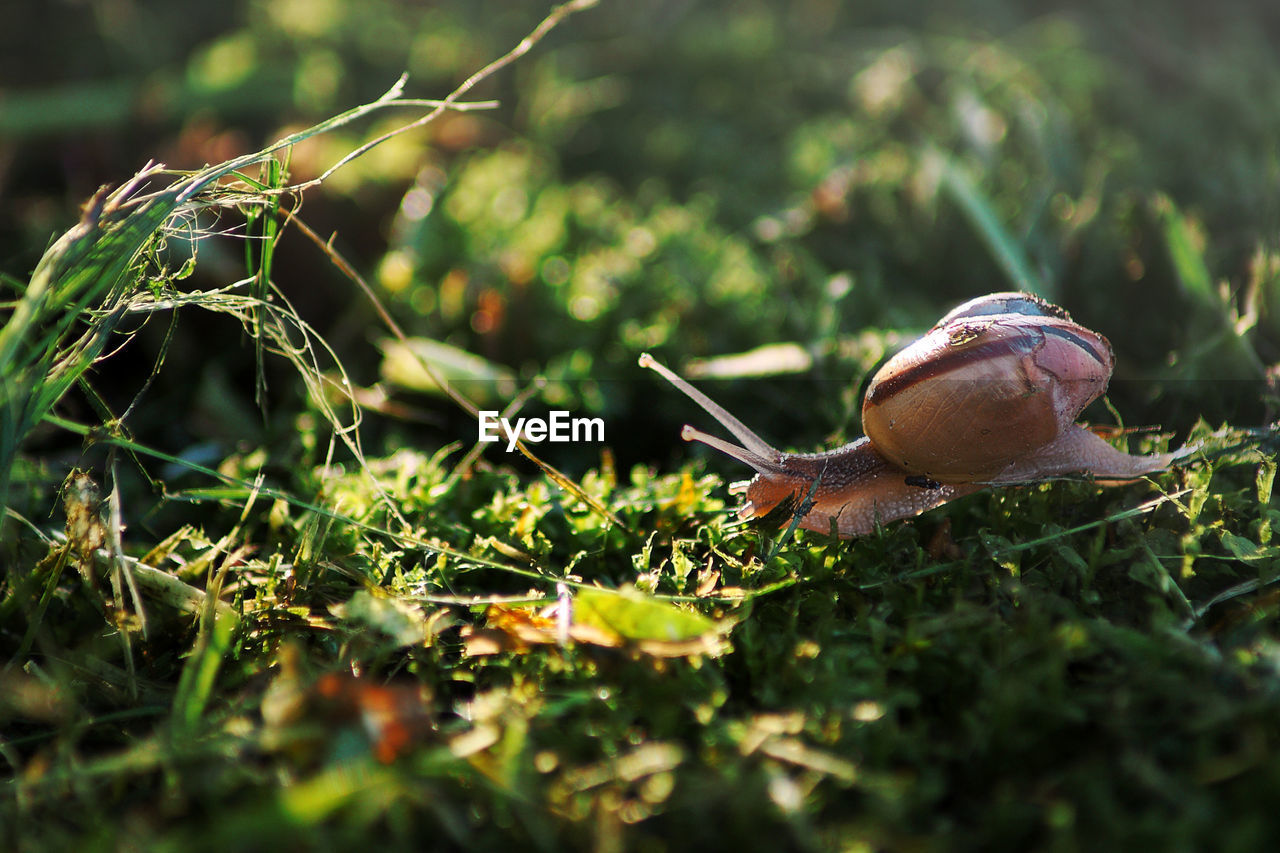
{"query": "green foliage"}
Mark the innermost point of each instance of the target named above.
(46, 345)
(311, 612)
(514, 261)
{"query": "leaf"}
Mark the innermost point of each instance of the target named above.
(768, 360)
(510, 629)
(1185, 240)
(402, 364)
(601, 617)
(1072, 558)
(1002, 551)
(1248, 550)
(1221, 349)
(1240, 547)
(519, 629)
(1265, 481)
(400, 621)
(635, 616)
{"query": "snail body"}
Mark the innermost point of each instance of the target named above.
(988, 396)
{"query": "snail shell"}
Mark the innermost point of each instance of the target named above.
(985, 387)
(988, 396)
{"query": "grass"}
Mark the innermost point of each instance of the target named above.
(277, 597)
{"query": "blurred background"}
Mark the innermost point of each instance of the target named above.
(689, 178)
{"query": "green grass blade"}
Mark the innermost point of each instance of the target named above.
(1007, 252)
(42, 351)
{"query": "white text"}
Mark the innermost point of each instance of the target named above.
(559, 427)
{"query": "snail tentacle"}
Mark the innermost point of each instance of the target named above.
(749, 439)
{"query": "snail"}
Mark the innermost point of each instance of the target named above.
(988, 396)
